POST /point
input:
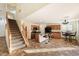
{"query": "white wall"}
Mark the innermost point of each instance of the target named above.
(2, 22)
(25, 9)
(42, 28)
(2, 28)
(76, 27)
(10, 15)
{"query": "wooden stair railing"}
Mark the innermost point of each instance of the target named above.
(9, 36)
(24, 34)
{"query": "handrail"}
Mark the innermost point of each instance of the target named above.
(24, 36)
(9, 34)
(23, 33)
(25, 39)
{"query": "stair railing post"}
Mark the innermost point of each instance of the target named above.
(10, 37)
(10, 46)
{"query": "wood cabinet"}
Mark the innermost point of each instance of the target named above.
(56, 35)
(35, 32)
(55, 27)
(35, 26)
(35, 37)
(56, 31)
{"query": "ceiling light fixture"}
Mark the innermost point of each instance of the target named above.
(65, 22)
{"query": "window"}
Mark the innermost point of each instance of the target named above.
(66, 27)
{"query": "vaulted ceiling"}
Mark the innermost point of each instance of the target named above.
(28, 8)
(44, 12)
(55, 12)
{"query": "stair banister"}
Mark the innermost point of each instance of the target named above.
(9, 36)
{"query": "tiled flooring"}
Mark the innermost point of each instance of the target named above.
(54, 43)
(3, 47)
(57, 53)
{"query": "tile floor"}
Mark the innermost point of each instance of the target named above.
(3, 47)
(55, 44)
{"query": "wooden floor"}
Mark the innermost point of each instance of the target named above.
(56, 43)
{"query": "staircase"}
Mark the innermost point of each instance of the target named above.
(17, 40)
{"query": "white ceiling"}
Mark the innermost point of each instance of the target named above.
(28, 8)
(54, 12)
